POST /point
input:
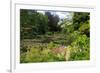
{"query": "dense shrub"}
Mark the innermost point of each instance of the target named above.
(81, 48)
(45, 36)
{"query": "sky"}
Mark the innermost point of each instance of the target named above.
(61, 15)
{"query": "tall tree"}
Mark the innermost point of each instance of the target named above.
(32, 23)
(80, 18)
(53, 20)
(81, 22)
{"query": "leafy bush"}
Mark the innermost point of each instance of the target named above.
(72, 36)
(47, 37)
(85, 28)
(80, 48)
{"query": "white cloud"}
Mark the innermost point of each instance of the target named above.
(43, 12)
(63, 15)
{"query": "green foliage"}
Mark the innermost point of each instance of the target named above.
(66, 26)
(85, 28)
(52, 45)
(80, 18)
(80, 48)
(32, 23)
(37, 55)
(22, 58)
(53, 20)
(47, 38)
(68, 29)
(49, 33)
(72, 36)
